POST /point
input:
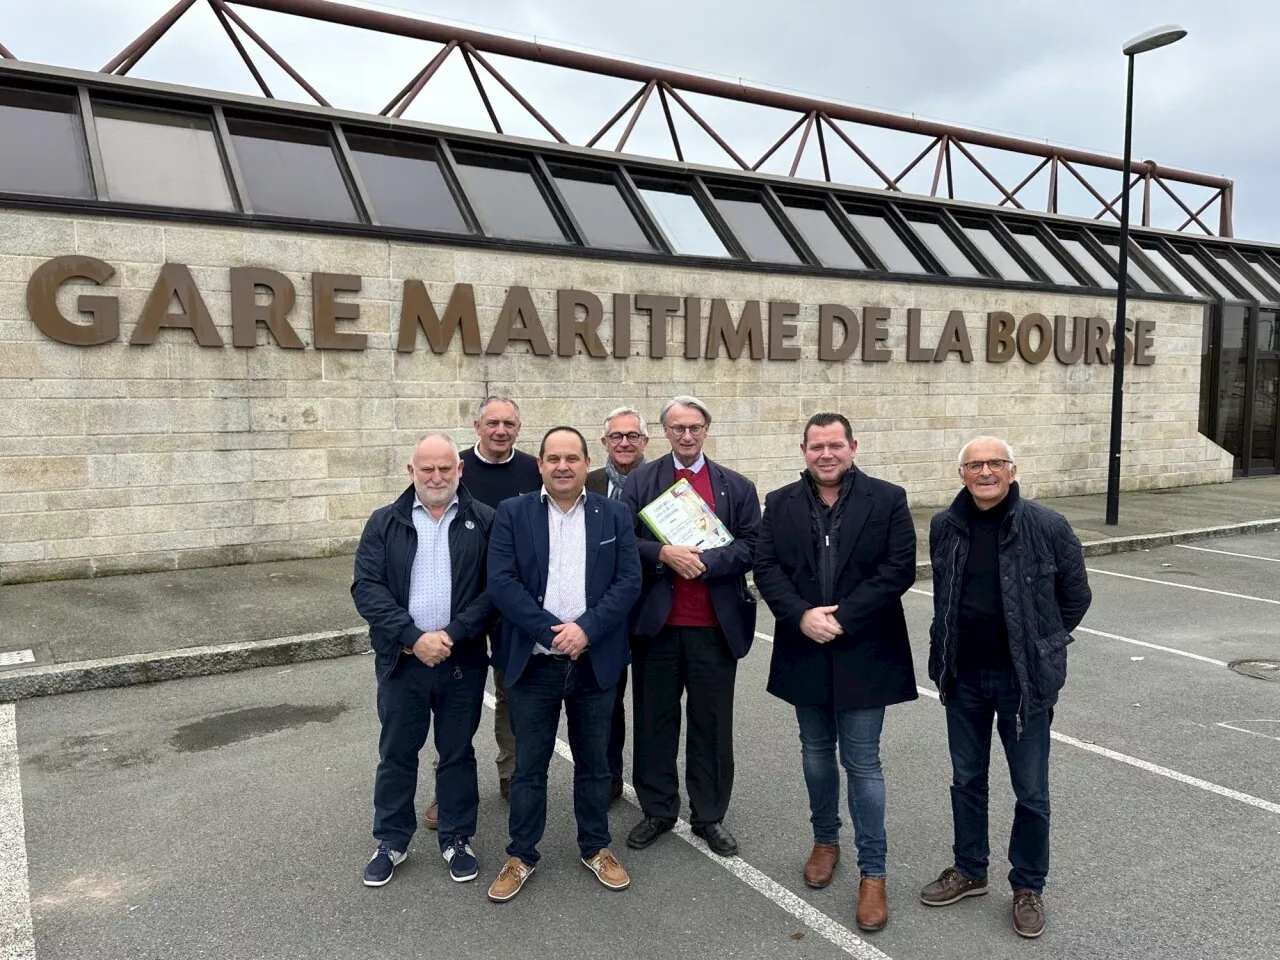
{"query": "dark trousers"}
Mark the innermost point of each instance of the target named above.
(680, 659)
(535, 699)
(618, 728)
(976, 697)
(407, 699)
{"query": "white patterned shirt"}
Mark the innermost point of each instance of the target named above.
(431, 580)
(566, 594)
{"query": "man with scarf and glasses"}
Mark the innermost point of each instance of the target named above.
(625, 438)
(840, 647)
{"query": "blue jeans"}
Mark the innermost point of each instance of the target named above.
(535, 699)
(974, 698)
(858, 733)
(406, 701)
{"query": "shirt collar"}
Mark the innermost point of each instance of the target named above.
(546, 498)
(496, 463)
(419, 505)
(697, 464)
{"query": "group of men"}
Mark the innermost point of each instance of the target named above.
(543, 567)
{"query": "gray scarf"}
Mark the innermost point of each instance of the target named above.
(617, 480)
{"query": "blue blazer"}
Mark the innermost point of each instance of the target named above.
(519, 549)
(738, 507)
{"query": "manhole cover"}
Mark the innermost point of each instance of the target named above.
(1262, 669)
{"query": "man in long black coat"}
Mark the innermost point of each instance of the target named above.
(835, 554)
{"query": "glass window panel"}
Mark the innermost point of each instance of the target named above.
(603, 215)
(944, 248)
(884, 240)
(1254, 287)
(1264, 266)
(1136, 273)
(291, 171)
(507, 200)
(404, 184)
(1181, 283)
(824, 238)
(167, 159)
(1200, 270)
(1049, 263)
(995, 252)
(1268, 336)
(40, 146)
(1076, 248)
(683, 222)
(756, 230)
(1231, 382)
(1266, 391)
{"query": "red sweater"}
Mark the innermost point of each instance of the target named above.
(691, 606)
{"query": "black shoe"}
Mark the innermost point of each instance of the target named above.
(615, 791)
(646, 831)
(719, 839)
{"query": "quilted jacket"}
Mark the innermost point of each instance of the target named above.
(1043, 588)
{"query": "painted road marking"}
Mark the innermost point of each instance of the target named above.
(1256, 733)
(762, 883)
(1171, 774)
(17, 939)
(1183, 586)
(1228, 553)
(1116, 636)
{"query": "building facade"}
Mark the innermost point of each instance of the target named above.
(224, 323)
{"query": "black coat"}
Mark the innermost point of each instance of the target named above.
(384, 562)
(738, 507)
(1044, 591)
(869, 665)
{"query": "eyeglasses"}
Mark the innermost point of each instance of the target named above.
(694, 429)
(995, 466)
(631, 437)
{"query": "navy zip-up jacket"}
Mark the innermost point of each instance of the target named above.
(384, 562)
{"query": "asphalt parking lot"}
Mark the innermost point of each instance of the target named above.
(229, 816)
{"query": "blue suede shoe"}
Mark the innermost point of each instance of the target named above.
(463, 865)
(382, 866)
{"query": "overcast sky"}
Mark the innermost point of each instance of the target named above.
(1038, 69)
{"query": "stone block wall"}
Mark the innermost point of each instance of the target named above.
(125, 457)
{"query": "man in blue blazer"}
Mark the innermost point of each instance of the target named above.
(837, 550)
(695, 621)
(564, 573)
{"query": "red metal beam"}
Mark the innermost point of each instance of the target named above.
(631, 124)
(475, 54)
(617, 116)
(780, 141)
(267, 49)
(822, 148)
(607, 66)
(889, 184)
(1088, 186)
(409, 92)
(804, 139)
(987, 173)
(937, 167)
(916, 162)
(484, 94)
(1024, 181)
(1203, 207)
(1185, 209)
(147, 39)
(706, 127)
(244, 54)
(671, 124)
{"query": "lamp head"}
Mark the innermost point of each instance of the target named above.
(1153, 39)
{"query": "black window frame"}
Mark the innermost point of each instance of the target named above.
(616, 174)
(442, 160)
(951, 229)
(887, 212)
(773, 210)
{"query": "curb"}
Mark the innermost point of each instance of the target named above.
(54, 679)
(58, 678)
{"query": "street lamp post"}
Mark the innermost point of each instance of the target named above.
(1152, 39)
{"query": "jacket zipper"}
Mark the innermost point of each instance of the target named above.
(946, 625)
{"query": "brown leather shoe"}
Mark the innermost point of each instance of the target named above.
(821, 865)
(873, 904)
(510, 880)
(951, 886)
(1028, 913)
(608, 870)
(432, 817)
(504, 788)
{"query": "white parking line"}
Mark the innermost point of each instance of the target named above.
(1116, 636)
(1256, 733)
(1227, 553)
(17, 940)
(762, 883)
(1183, 586)
(1206, 785)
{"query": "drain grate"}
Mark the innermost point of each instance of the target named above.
(1262, 669)
(12, 658)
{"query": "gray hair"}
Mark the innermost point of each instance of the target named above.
(496, 398)
(626, 412)
(1008, 450)
(685, 401)
(437, 436)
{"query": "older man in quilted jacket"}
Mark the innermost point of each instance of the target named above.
(1009, 587)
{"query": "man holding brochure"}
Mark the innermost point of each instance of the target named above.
(695, 620)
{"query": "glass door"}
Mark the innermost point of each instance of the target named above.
(1233, 369)
(1266, 391)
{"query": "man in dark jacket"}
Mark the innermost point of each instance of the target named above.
(420, 584)
(694, 622)
(1009, 586)
(836, 552)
